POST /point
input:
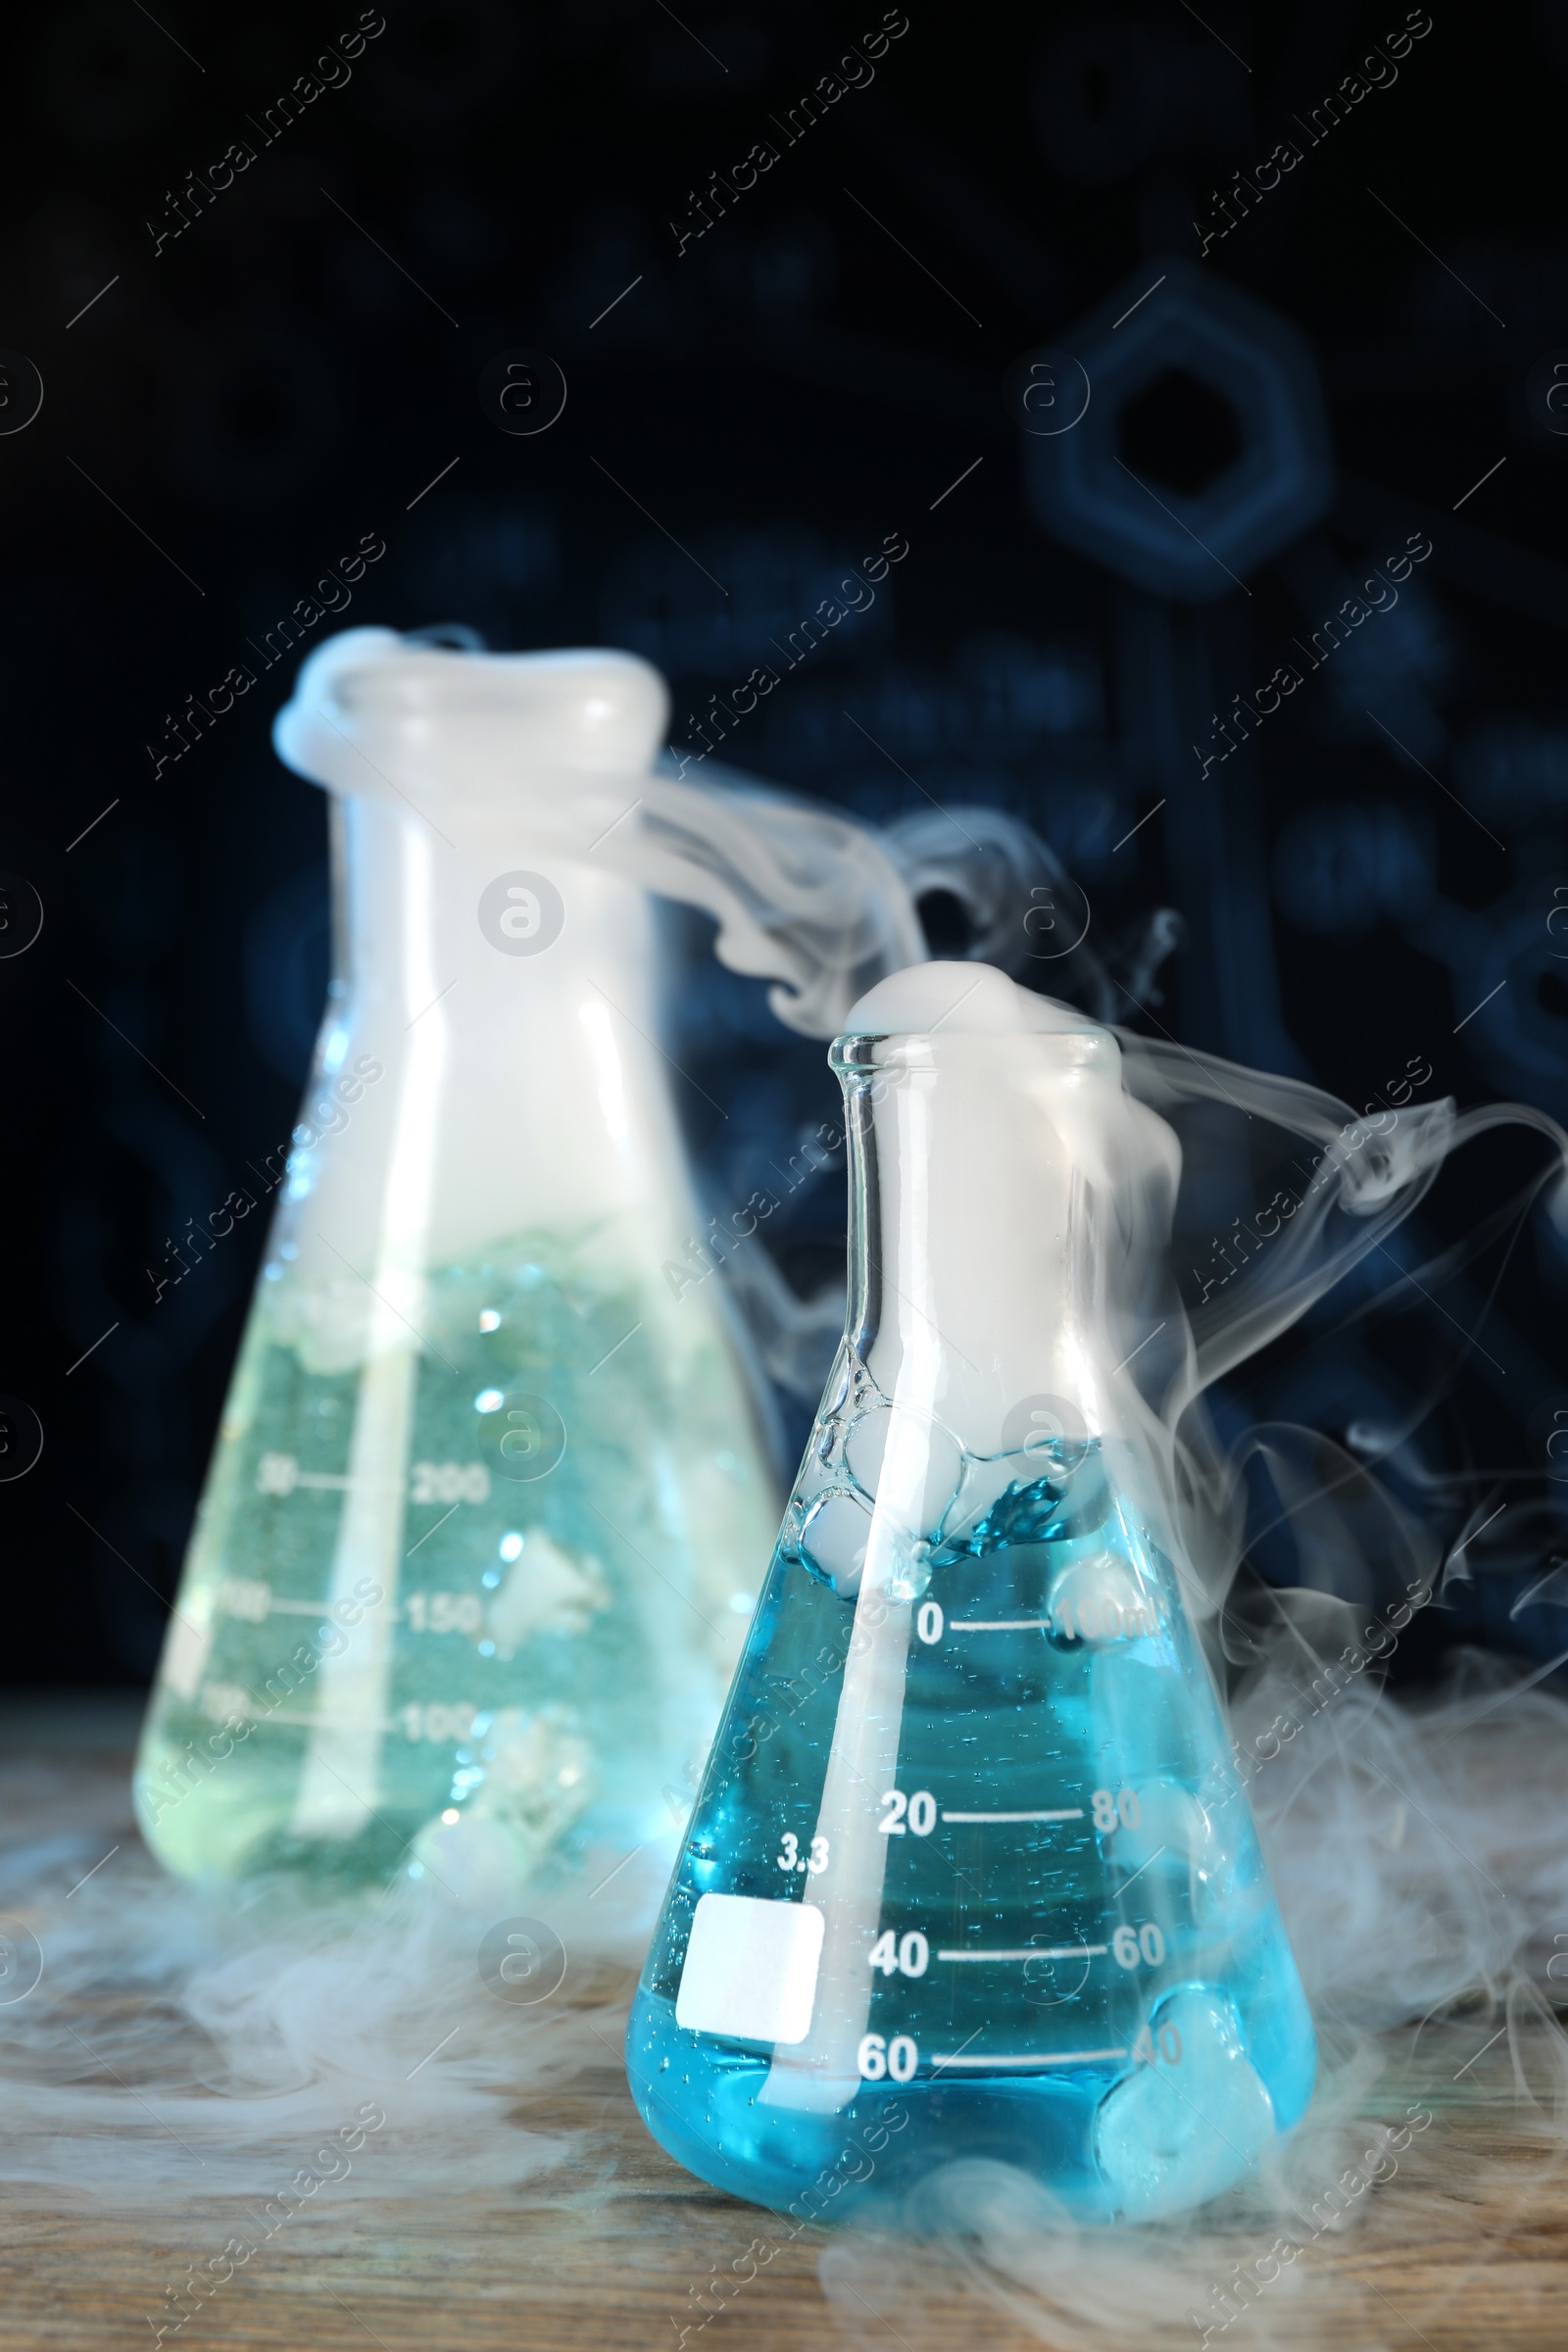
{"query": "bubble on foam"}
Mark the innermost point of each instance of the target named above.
(1193, 2118)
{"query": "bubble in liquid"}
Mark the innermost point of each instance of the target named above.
(1161, 2147)
(833, 1538)
(1099, 1600)
(922, 1508)
(1055, 1840)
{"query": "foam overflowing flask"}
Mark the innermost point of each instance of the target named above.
(463, 1588)
(971, 1873)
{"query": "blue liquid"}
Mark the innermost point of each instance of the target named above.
(1106, 2001)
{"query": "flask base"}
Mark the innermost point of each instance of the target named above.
(1097, 2139)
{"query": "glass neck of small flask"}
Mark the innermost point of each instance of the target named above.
(515, 1086)
(976, 1238)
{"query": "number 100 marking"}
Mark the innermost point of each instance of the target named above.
(437, 1722)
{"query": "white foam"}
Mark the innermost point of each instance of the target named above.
(959, 1000)
(1004, 1140)
(472, 736)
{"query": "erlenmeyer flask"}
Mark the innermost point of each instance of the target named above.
(971, 1873)
(465, 1585)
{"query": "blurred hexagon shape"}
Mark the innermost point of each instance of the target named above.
(1341, 867)
(1510, 997)
(1524, 1027)
(1205, 448)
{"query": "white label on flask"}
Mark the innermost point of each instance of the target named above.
(185, 1648)
(750, 1969)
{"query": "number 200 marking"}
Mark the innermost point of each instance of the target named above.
(450, 1481)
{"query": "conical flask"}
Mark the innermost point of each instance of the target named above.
(971, 1873)
(466, 1585)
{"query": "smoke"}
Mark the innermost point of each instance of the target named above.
(180, 2045)
(795, 1338)
(195, 2047)
(802, 896)
(1026, 912)
(1186, 1309)
(1418, 1855)
(1417, 1848)
(825, 907)
(262, 2066)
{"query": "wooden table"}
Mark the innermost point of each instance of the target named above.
(1466, 2246)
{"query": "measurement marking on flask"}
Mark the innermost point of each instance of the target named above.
(1037, 1952)
(279, 1473)
(999, 1625)
(334, 1723)
(1065, 1813)
(440, 1734)
(1096, 1618)
(1102, 1617)
(1059, 2058)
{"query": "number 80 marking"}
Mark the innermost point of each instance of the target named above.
(1121, 1807)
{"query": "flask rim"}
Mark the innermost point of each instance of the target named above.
(860, 1054)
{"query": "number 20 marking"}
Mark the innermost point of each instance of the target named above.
(921, 1810)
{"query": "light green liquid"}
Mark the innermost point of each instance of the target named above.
(545, 1662)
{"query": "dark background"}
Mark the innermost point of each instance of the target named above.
(239, 407)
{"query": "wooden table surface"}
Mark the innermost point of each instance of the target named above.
(1466, 2246)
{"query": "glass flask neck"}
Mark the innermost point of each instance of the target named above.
(975, 1240)
(494, 981)
(476, 743)
(472, 1090)
(411, 918)
(487, 1067)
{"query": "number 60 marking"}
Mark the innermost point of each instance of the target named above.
(1145, 1943)
(897, 2059)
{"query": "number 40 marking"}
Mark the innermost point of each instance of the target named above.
(1145, 2051)
(901, 1955)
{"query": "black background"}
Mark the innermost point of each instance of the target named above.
(295, 368)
